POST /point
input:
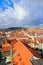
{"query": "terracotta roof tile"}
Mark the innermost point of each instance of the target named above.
(25, 54)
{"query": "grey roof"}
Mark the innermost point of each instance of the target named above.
(36, 61)
(3, 62)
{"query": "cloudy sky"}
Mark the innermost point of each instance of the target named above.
(22, 13)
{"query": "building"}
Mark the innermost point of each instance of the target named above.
(23, 55)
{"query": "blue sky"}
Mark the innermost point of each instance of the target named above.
(22, 13)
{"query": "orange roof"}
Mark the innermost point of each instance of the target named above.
(35, 43)
(23, 36)
(13, 41)
(41, 40)
(24, 55)
(37, 38)
(5, 47)
(37, 31)
(29, 40)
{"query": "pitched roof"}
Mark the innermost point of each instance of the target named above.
(40, 40)
(5, 47)
(24, 55)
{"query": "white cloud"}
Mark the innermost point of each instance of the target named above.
(41, 24)
(20, 12)
(24, 12)
(13, 17)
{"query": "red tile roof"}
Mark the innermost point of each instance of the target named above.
(35, 43)
(24, 55)
(5, 47)
(23, 36)
(39, 40)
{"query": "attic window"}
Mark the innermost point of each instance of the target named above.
(18, 54)
(16, 63)
(20, 59)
